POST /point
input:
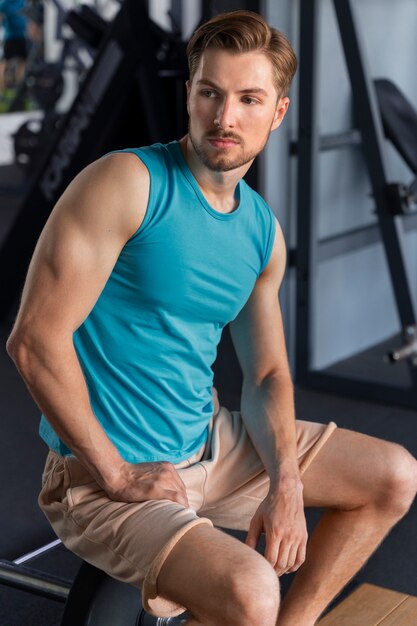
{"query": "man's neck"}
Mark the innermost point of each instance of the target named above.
(217, 187)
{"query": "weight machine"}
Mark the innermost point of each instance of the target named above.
(375, 108)
(130, 96)
(44, 81)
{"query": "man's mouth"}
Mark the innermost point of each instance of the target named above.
(223, 142)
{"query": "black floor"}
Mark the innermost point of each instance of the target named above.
(23, 528)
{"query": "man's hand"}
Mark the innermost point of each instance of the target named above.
(148, 481)
(281, 517)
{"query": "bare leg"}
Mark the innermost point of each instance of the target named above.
(367, 485)
(220, 580)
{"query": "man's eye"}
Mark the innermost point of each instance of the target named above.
(249, 100)
(208, 93)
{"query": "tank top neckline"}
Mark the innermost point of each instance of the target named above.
(175, 148)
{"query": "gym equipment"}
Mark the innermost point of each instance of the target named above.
(93, 599)
(44, 81)
(33, 136)
(130, 96)
(399, 120)
(87, 25)
(408, 350)
(394, 202)
(45, 84)
(26, 141)
(17, 574)
(98, 599)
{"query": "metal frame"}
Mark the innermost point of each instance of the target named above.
(18, 575)
(391, 228)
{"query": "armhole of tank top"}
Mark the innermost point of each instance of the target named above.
(270, 239)
(147, 215)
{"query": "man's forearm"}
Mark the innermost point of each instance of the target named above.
(52, 373)
(268, 413)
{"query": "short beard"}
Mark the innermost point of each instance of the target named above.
(219, 163)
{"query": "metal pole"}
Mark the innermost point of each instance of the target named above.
(20, 577)
(308, 156)
(32, 555)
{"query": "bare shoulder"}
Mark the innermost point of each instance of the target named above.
(274, 271)
(112, 191)
(126, 165)
(98, 212)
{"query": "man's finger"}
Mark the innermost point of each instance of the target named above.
(167, 475)
(281, 559)
(175, 496)
(180, 484)
(291, 558)
(300, 558)
(254, 532)
(272, 547)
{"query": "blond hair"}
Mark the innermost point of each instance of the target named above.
(245, 31)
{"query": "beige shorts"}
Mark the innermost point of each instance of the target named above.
(225, 483)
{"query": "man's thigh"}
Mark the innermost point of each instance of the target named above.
(351, 470)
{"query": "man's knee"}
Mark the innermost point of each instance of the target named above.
(398, 482)
(220, 580)
(254, 596)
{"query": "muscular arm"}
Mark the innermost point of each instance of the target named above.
(268, 412)
(77, 250)
(267, 393)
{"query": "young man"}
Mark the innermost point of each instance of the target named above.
(141, 264)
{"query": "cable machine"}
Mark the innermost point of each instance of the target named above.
(392, 201)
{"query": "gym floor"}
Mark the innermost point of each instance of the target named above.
(23, 528)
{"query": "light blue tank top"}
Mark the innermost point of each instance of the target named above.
(148, 345)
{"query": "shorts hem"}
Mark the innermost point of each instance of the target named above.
(152, 602)
(315, 449)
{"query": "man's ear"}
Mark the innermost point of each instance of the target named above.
(188, 88)
(280, 111)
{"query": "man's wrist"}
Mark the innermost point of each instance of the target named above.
(116, 480)
(107, 467)
(287, 474)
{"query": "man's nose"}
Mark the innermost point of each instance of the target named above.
(226, 114)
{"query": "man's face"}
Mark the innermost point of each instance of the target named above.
(233, 107)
